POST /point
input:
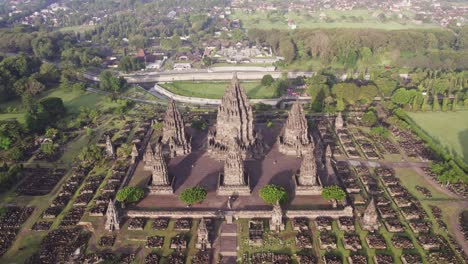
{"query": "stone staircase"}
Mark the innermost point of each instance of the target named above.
(228, 243)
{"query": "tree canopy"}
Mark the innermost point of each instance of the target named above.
(271, 194)
(333, 192)
(193, 195)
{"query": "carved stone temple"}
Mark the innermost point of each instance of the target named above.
(235, 119)
(203, 241)
(112, 219)
(369, 220)
(174, 136)
(234, 180)
(155, 162)
(110, 150)
(295, 138)
(276, 222)
(307, 180)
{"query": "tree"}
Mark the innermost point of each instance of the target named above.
(193, 195)
(91, 154)
(287, 49)
(51, 133)
(445, 104)
(53, 106)
(401, 97)
(435, 104)
(380, 132)
(207, 61)
(333, 192)
(425, 104)
(369, 118)
(271, 194)
(49, 73)
(129, 194)
(267, 80)
(48, 148)
(5, 142)
(110, 83)
(340, 105)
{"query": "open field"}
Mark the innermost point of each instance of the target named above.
(79, 29)
(449, 128)
(215, 90)
(335, 19)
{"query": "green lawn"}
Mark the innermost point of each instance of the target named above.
(449, 128)
(72, 99)
(335, 19)
(215, 90)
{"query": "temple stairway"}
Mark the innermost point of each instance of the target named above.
(228, 243)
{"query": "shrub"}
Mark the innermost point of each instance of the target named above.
(267, 80)
(199, 124)
(333, 192)
(369, 118)
(193, 195)
(130, 194)
(380, 132)
(271, 194)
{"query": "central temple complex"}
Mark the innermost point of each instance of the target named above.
(232, 158)
(235, 125)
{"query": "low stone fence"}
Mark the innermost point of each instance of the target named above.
(311, 214)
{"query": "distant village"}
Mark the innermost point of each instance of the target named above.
(218, 51)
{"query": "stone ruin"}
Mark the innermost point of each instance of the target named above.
(155, 162)
(234, 180)
(203, 241)
(339, 123)
(235, 119)
(110, 149)
(112, 219)
(134, 154)
(307, 181)
(276, 222)
(295, 138)
(369, 219)
(174, 136)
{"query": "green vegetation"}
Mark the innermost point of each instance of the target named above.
(450, 129)
(193, 195)
(333, 19)
(272, 194)
(129, 194)
(215, 90)
(333, 192)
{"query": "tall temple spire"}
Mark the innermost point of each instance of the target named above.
(110, 150)
(160, 183)
(174, 132)
(112, 219)
(369, 219)
(276, 222)
(295, 138)
(234, 119)
(203, 241)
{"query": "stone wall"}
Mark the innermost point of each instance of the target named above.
(311, 214)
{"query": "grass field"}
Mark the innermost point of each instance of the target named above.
(215, 90)
(449, 128)
(336, 19)
(79, 29)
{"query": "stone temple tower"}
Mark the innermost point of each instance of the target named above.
(307, 180)
(174, 136)
(295, 138)
(160, 184)
(234, 180)
(235, 119)
(112, 219)
(369, 220)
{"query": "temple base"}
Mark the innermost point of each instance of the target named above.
(161, 189)
(306, 189)
(292, 150)
(231, 190)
